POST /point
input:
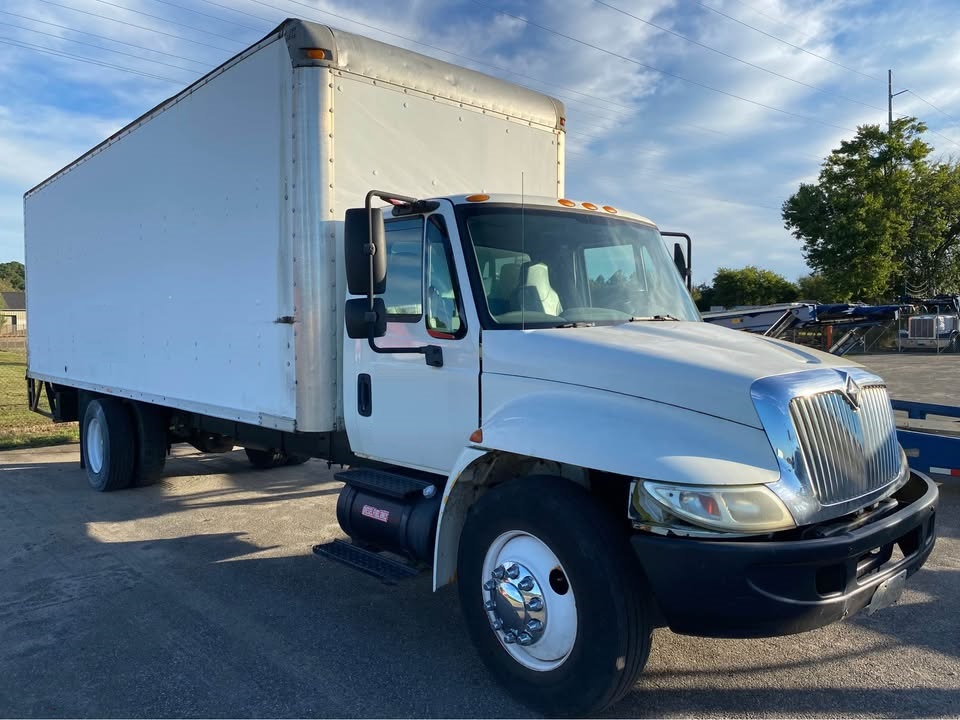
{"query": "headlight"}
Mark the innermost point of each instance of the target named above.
(735, 508)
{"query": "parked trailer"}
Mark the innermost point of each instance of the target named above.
(932, 447)
(521, 383)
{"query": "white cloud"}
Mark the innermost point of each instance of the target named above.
(689, 158)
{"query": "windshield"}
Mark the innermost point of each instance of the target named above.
(548, 268)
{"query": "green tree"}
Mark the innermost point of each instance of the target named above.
(880, 213)
(13, 273)
(748, 286)
(703, 296)
(816, 288)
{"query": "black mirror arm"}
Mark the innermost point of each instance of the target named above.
(432, 353)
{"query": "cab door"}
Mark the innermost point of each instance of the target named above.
(398, 409)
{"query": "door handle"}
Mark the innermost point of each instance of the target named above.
(364, 395)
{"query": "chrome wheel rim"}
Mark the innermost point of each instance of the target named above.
(94, 443)
(529, 601)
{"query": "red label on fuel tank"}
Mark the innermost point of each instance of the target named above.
(376, 513)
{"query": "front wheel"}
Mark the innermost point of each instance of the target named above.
(552, 596)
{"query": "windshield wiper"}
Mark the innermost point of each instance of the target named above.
(652, 318)
(576, 325)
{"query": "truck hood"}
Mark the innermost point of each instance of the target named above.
(693, 365)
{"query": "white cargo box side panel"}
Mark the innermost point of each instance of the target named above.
(411, 143)
(159, 266)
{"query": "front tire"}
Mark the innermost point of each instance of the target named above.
(108, 444)
(552, 596)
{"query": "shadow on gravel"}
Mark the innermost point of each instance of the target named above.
(183, 623)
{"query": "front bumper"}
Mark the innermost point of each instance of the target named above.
(757, 588)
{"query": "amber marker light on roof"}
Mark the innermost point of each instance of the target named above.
(610, 209)
(590, 206)
(477, 198)
(318, 54)
(567, 203)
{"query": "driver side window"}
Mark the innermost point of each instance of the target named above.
(442, 294)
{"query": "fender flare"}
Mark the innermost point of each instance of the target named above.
(600, 430)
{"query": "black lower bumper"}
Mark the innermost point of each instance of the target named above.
(753, 588)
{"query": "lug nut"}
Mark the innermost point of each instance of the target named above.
(534, 626)
(526, 584)
(490, 585)
(525, 638)
(497, 623)
(535, 604)
(490, 605)
(498, 572)
(510, 638)
(513, 572)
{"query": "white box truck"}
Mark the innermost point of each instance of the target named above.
(525, 394)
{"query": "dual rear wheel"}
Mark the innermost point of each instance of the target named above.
(125, 444)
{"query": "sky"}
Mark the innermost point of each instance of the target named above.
(703, 116)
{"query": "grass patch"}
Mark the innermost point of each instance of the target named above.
(19, 427)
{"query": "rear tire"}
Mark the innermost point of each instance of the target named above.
(108, 444)
(582, 566)
(296, 459)
(152, 444)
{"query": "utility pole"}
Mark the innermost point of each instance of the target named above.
(890, 96)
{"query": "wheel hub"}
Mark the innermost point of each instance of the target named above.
(515, 604)
(95, 444)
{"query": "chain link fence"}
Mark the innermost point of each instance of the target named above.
(20, 427)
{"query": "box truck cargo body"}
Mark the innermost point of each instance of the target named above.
(330, 247)
(219, 213)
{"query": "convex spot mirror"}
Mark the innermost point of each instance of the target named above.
(357, 317)
(680, 260)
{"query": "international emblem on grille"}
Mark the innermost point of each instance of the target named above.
(851, 392)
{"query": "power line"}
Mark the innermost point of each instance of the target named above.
(134, 25)
(752, 9)
(100, 47)
(943, 112)
(103, 37)
(787, 42)
(172, 22)
(939, 134)
(47, 51)
(214, 17)
(662, 72)
(734, 57)
(236, 10)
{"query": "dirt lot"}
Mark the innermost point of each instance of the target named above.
(200, 597)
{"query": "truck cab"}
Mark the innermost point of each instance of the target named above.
(936, 327)
(544, 360)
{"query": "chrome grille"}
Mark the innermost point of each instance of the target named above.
(847, 453)
(922, 327)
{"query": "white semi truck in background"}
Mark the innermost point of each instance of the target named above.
(523, 390)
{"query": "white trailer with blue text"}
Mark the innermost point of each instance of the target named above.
(330, 247)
